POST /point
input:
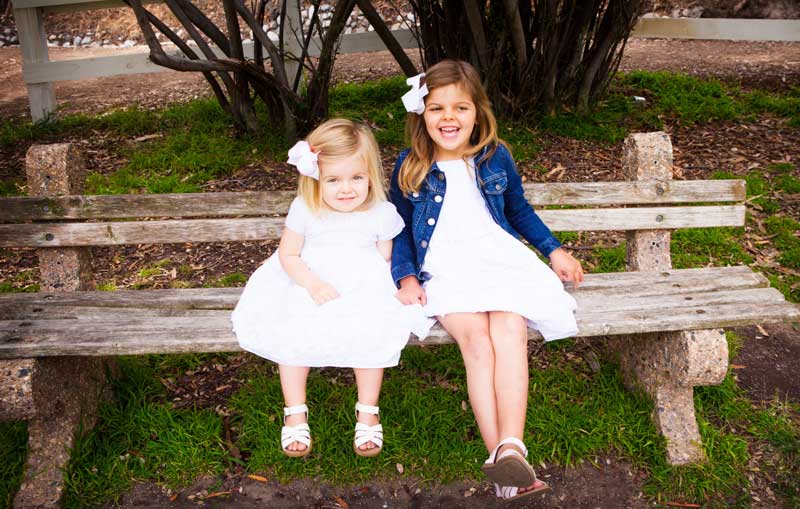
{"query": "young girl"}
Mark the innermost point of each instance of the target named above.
(327, 297)
(462, 201)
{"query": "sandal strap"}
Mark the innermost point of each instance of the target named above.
(297, 433)
(508, 441)
(505, 492)
(292, 410)
(369, 409)
(366, 433)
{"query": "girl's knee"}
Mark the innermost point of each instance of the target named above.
(476, 345)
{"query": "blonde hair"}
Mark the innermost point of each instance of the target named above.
(420, 158)
(337, 139)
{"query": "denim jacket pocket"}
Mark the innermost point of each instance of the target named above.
(495, 184)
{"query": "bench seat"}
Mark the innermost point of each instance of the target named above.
(131, 322)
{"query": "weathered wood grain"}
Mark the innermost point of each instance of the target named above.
(127, 331)
(225, 230)
(226, 204)
(643, 218)
(635, 285)
(139, 232)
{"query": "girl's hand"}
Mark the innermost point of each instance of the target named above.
(411, 292)
(566, 267)
(322, 292)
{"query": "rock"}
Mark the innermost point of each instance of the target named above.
(370, 29)
(13, 40)
(348, 30)
(7, 31)
(326, 8)
(77, 40)
(272, 35)
(396, 26)
(694, 12)
(180, 33)
(86, 41)
(67, 45)
(52, 37)
(128, 43)
(410, 17)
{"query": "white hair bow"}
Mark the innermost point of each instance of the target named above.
(305, 159)
(414, 99)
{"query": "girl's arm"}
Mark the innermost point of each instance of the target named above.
(289, 255)
(385, 249)
(404, 258)
(526, 222)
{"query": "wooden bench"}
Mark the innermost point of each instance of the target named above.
(664, 323)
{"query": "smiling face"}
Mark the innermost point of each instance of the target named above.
(344, 183)
(450, 117)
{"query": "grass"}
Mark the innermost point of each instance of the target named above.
(575, 414)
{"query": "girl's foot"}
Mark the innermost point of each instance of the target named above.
(368, 439)
(295, 433)
(507, 466)
(508, 493)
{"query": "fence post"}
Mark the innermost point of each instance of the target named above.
(33, 44)
(666, 365)
(65, 390)
(293, 32)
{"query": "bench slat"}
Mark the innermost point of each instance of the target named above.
(595, 302)
(644, 218)
(21, 209)
(225, 230)
(130, 333)
(629, 284)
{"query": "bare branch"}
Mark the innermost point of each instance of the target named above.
(386, 36)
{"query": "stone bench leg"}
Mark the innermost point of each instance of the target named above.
(666, 365)
(57, 395)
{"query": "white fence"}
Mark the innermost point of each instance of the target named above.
(40, 73)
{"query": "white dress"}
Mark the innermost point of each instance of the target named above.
(477, 266)
(365, 327)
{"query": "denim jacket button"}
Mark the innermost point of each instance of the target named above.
(440, 176)
(431, 221)
(497, 186)
(415, 195)
(423, 244)
(437, 199)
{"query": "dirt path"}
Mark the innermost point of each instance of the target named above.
(768, 65)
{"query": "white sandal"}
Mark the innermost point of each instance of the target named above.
(509, 493)
(366, 433)
(510, 467)
(300, 433)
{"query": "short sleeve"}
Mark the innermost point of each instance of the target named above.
(298, 216)
(390, 224)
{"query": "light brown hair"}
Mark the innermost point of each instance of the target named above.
(337, 139)
(420, 158)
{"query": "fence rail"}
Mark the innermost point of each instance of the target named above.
(39, 72)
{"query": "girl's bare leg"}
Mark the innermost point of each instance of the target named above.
(509, 333)
(293, 385)
(368, 383)
(471, 332)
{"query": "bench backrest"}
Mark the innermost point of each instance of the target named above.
(241, 216)
(650, 201)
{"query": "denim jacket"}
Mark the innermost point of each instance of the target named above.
(501, 188)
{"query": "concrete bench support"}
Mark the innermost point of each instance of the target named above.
(666, 365)
(58, 395)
